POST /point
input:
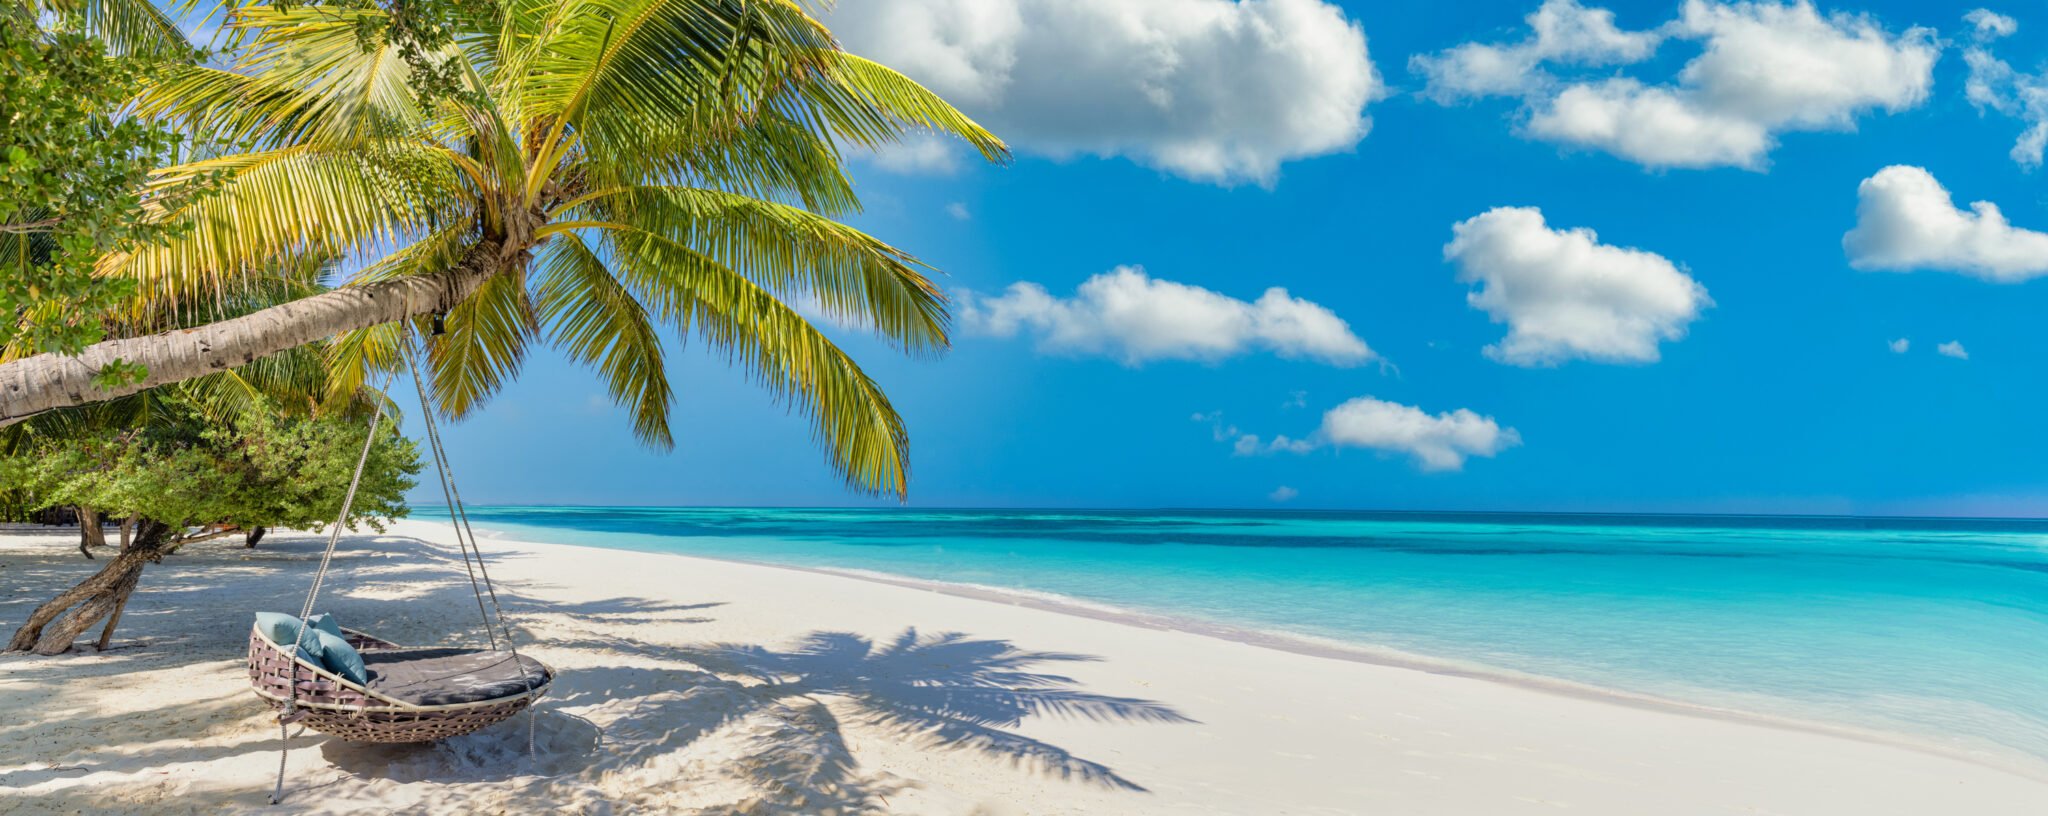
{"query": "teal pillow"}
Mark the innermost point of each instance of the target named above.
(283, 629)
(325, 623)
(339, 657)
(324, 645)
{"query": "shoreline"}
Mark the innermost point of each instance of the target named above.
(707, 686)
(2012, 762)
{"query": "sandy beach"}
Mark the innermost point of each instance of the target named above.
(699, 686)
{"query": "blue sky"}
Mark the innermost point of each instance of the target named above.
(1774, 386)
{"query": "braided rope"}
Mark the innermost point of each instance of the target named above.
(448, 495)
(458, 517)
(348, 501)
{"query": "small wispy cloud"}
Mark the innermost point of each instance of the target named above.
(1251, 445)
(1214, 419)
(919, 155)
(1283, 493)
(1952, 348)
(1900, 345)
(958, 211)
(1990, 25)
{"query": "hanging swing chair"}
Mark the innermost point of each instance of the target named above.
(406, 694)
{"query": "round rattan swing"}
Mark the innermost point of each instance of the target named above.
(413, 694)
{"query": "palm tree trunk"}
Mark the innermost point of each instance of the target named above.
(45, 382)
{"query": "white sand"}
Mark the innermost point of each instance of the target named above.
(698, 686)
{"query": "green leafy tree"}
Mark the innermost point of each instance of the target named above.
(74, 166)
(294, 382)
(189, 471)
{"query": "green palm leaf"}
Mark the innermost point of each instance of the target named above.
(793, 253)
(593, 319)
(850, 417)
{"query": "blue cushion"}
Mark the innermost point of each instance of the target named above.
(323, 646)
(325, 623)
(339, 657)
(283, 629)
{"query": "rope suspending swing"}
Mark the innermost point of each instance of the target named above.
(414, 710)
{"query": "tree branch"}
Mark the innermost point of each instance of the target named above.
(31, 226)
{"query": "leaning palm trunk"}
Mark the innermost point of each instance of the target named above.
(46, 382)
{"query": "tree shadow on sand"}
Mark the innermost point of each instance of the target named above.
(950, 691)
(634, 724)
(774, 724)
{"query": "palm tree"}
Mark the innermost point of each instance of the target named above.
(609, 168)
(126, 26)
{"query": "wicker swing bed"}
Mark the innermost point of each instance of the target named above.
(412, 694)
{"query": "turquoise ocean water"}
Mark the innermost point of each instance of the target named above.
(1934, 631)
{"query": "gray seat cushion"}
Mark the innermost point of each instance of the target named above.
(450, 676)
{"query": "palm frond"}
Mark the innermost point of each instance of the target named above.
(871, 105)
(794, 254)
(770, 156)
(294, 201)
(593, 319)
(483, 347)
(850, 417)
(127, 26)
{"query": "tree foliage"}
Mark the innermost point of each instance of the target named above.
(264, 470)
(73, 166)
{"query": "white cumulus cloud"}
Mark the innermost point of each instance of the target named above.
(1435, 441)
(922, 154)
(1283, 493)
(1564, 295)
(1221, 91)
(1905, 220)
(1131, 316)
(1952, 349)
(1900, 345)
(1765, 68)
(1561, 31)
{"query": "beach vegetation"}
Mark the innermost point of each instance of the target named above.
(184, 475)
(74, 166)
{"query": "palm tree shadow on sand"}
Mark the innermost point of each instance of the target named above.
(775, 723)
